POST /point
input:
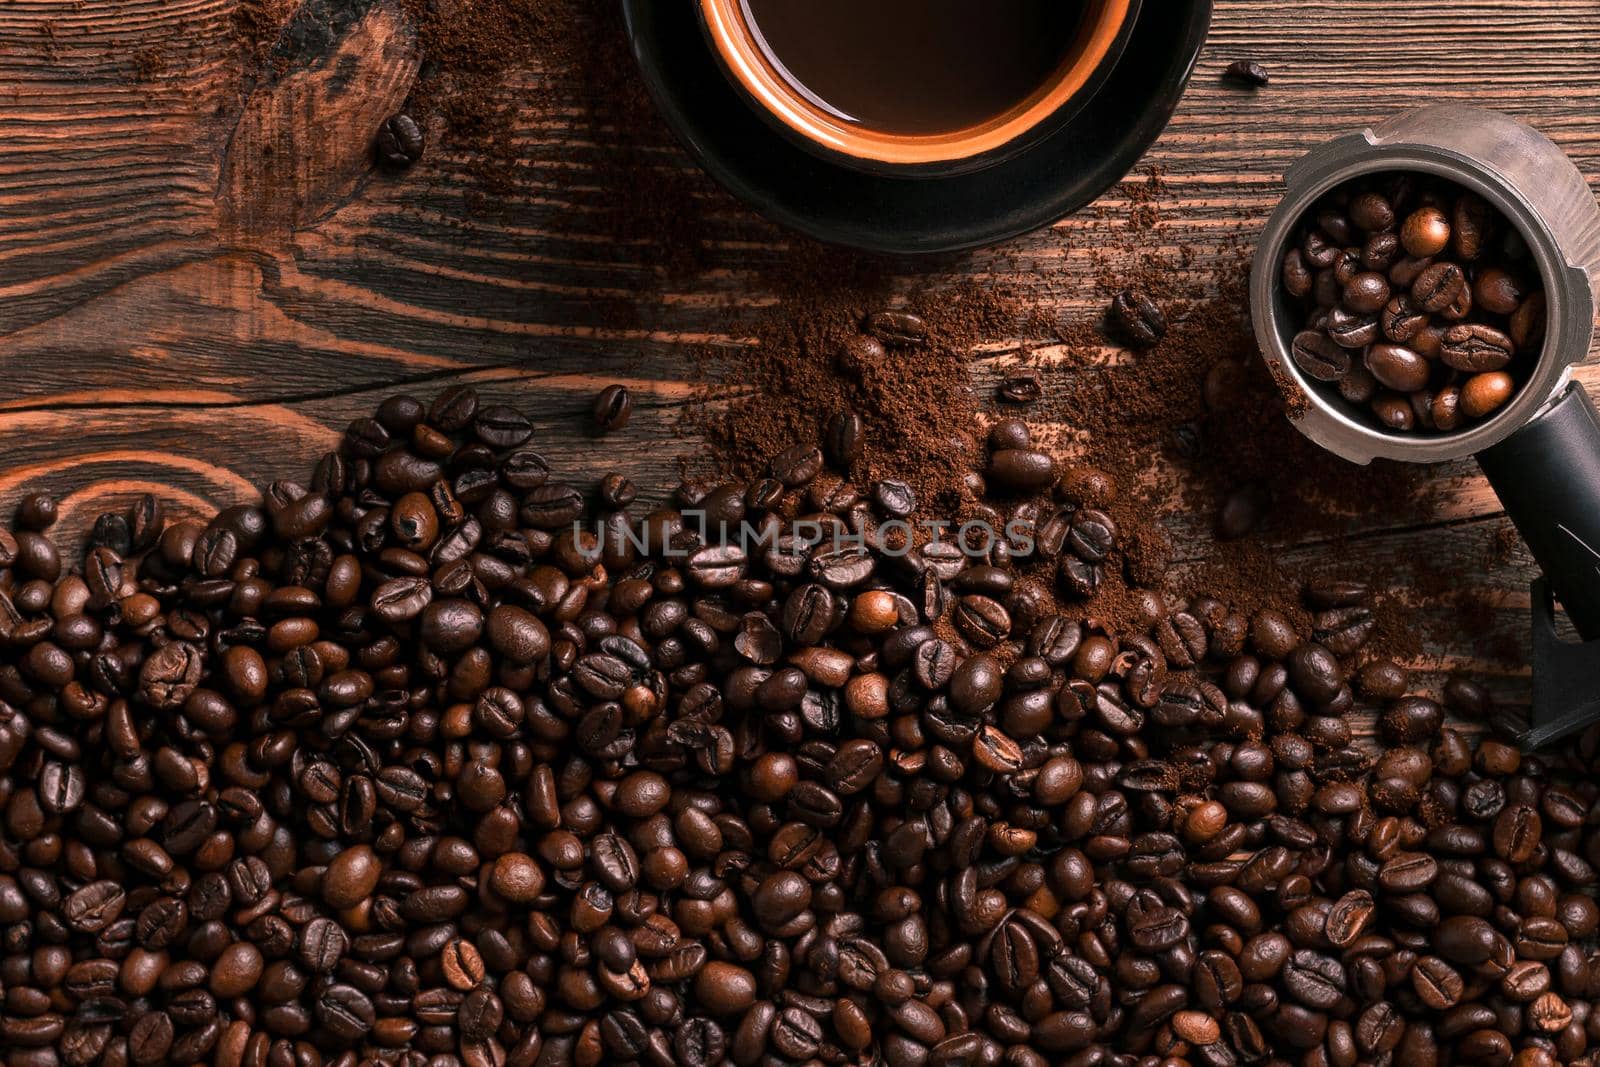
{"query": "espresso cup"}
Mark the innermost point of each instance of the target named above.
(1087, 54)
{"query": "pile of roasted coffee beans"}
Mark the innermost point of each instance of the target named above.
(399, 765)
(1421, 302)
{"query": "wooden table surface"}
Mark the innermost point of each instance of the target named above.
(202, 279)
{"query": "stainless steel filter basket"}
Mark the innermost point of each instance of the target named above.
(1518, 170)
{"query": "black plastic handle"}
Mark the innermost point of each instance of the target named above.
(1548, 477)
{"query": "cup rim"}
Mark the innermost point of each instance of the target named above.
(748, 66)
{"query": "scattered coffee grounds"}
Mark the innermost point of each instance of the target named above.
(830, 348)
(1195, 425)
(1484, 633)
(1177, 429)
(149, 64)
(481, 64)
(439, 756)
(1503, 544)
(257, 28)
(1198, 416)
(468, 50)
(49, 46)
(1421, 303)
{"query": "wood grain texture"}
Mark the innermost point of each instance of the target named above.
(202, 279)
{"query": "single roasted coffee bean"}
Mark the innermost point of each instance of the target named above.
(612, 408)
(725, 989)
(1366, 293)
(1022, 469)
(1402, 319)
(37, 511)
(462, 964)
(1398, 367)
(1438, 287)
(400, 141)
(501, 427)
(1247, 73)
(797, 466)
(1350, 329)
(1137, 318)
(346, 1012)
(95, 906)
(237, 970)
(1498, 291)
(1528, 323)
(351, 877)
(1381, 251)
(897, 327)
(1242, 511)
(1446, 408)
(842, 439)
(322, 943)
(1297, 276)
(1021, 388)
(1485, 393)
(1372, 212)
(1320, 356)
(1394, 411)
(1425, 232)
(982, 621)
(1476, 348)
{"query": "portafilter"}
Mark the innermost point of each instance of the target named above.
(1541, 451)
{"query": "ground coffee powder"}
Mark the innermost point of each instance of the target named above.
(1191, 426)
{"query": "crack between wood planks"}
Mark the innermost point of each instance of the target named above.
(298, 398)
(1368, 535)
(1365, 536)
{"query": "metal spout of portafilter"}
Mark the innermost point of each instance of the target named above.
(1541, 450)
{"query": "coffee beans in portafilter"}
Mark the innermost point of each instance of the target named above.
(1420, 302)
(399, 765)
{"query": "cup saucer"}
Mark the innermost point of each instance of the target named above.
(1052, 178)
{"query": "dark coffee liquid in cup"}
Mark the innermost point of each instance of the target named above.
(917, 66)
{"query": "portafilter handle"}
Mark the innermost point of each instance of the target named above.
(1547, 475)
(1541, 451)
